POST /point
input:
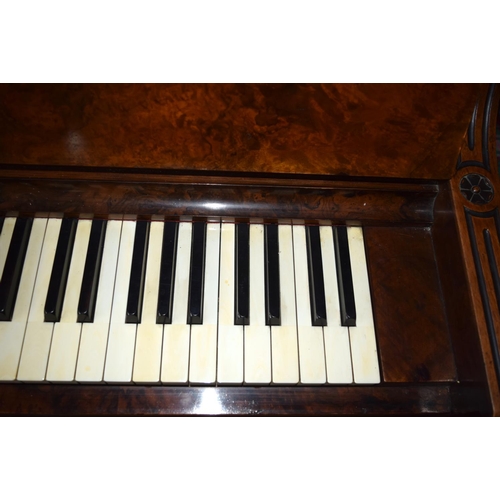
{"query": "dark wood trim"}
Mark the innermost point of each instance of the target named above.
(85, 400)
(212, 177)
(469, 214)
(457, 299)
(311, 154)
(471, 131)
(471, 222)
(487, 119)
(389, 204)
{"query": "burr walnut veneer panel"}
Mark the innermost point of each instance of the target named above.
(350, 129)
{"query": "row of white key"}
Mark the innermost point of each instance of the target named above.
(111, 351)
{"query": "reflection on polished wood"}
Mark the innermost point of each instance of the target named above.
(350, 130)
(401, 399)
(387, 157)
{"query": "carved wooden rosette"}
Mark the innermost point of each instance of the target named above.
(476, 196)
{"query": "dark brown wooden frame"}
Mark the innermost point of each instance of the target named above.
(435, 339)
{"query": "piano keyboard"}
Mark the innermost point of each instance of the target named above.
(153, 302)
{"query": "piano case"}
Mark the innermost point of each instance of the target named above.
(414, 165)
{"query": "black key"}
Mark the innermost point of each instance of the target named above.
(344, 276)
(167, 273)
(197, 274)
(272, 277)
(88, 292)
(316, 281)
(137, 273)
(242, 275)
(60, 269)
(1, 224)
(9, 285)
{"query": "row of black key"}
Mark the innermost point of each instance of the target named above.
(316, 276)
(9, 285)
(88, 295)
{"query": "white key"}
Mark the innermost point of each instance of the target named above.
(12, 332)
(230, 336)
(285, 357)
(38, 336)
(5, 238)
(337, 344)
(257, 333)
(94, 337)
(311, 347)
(66, 335)
(176, 336)
(203, 355)
(363, 341)
(148, 346)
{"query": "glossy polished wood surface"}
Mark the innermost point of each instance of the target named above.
(457, 301)
(349, 130)
(401, 400)
(319, 153)
(412, 333)
(478, 227)
(271, 198)
(415, 351)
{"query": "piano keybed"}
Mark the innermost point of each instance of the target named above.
(116, 316)
(240, 303)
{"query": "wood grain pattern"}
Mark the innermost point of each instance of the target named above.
(81, 400)
(370, 203)
(457, 297)
(483, 228)
(410, 320)
(349, 129)
(478, 156)
(388, 157)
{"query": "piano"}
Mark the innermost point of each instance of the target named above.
(249, 250)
